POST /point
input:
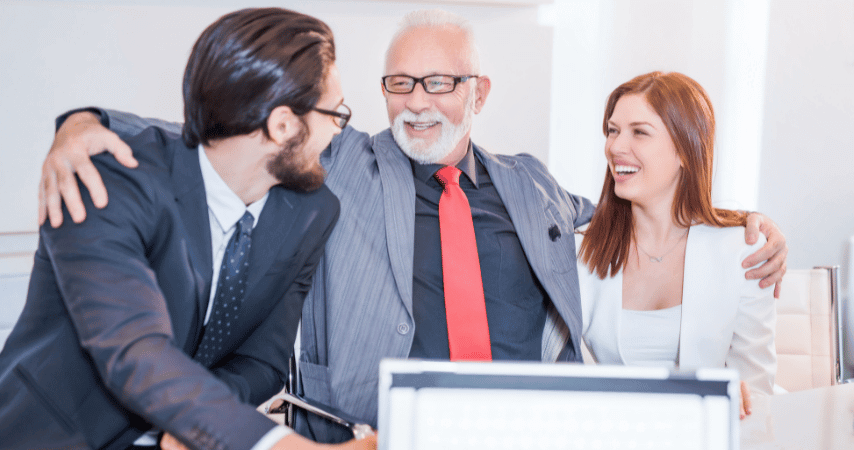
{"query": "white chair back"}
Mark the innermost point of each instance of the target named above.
(808, 324)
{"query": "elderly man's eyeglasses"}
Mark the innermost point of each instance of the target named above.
(433, 84)
(340, 117)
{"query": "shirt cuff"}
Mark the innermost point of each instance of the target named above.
(271, 438)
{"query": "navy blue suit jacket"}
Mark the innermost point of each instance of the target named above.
(103, 349)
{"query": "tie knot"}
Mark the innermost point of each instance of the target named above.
(448, 175)
(244, 225)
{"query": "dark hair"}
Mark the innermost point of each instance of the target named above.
(249, 62)
(687, 113)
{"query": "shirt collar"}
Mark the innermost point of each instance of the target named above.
(468, 166)
(225, 206)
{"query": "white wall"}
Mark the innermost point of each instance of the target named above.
(130, 55)
(779, 75)
(806, 181)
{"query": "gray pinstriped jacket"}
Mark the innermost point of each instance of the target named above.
(359, 309)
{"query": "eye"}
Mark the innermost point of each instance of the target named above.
(612, 130)
(639, 132)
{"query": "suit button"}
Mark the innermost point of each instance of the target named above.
(403, 328)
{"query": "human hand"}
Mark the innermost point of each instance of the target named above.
(745, 408)
(289, 442)
(79, 137)
(774, 252)
(297, 442)
(369, 442)
(168, 442)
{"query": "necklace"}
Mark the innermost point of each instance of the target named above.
(659, 258)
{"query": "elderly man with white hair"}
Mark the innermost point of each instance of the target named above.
(442, 249)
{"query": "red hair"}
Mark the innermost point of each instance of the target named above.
(686, 111)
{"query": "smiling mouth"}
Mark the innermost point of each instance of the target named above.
(625, 170)
(421, 126)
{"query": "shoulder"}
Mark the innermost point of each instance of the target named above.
(525, 160)
(519, 165)
(724, 240)
(344, 144)
(154, 148)
(351, 138)
(319, 205)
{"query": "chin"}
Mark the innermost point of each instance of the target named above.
(622, 194)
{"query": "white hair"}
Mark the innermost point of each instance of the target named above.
(437, 18)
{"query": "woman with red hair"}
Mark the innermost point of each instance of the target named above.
(662, 282)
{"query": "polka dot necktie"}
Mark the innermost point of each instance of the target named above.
(229, 293)
(468, 329)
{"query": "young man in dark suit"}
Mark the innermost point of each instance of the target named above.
(176, 307)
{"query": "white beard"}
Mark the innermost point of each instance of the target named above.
(419, 149)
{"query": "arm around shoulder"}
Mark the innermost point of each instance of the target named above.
(752, 351)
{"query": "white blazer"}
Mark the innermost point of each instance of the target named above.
(727, 321)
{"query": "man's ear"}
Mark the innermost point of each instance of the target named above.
(282, 125)
(484, 85)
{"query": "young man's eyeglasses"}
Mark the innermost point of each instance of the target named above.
(433, 84)
(340, 117)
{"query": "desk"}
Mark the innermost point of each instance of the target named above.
(815, 419)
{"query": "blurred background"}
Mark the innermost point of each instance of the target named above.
(779, 73)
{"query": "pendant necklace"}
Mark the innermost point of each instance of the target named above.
(659, 258)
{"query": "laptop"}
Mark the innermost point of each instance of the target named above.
(518, 405)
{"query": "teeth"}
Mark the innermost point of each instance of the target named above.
(625, 169)
(422, 126)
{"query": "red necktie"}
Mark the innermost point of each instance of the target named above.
(468, 331)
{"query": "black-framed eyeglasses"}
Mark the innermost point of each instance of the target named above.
(340, 117)
(432, 84)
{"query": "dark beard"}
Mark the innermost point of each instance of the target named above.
(287, 166)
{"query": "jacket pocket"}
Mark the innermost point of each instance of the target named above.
(314, 382)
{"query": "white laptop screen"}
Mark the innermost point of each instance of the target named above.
(425, 404)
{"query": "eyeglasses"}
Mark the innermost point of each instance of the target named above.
(340, 117)
(432, 84)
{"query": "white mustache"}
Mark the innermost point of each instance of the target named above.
(426, 116)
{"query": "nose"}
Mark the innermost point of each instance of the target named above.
(418, 100)
(617, 143)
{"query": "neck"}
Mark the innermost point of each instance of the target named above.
(654, 225)
(241, 161)
(454, 158)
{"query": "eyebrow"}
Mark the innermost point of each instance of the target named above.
(634, 124)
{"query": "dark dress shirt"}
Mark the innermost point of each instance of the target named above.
(515, 301)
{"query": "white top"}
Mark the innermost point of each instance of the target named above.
(727, 321)
(650, 338)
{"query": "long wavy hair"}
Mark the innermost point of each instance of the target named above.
(686, 111)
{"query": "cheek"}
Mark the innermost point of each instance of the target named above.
(394, 106)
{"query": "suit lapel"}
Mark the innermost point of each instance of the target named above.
(524, 206)
(271, 232)
(399, 204)
(529, 211)
(192, 206)
(691, 297)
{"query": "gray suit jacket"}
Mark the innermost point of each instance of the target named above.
(359, 309)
